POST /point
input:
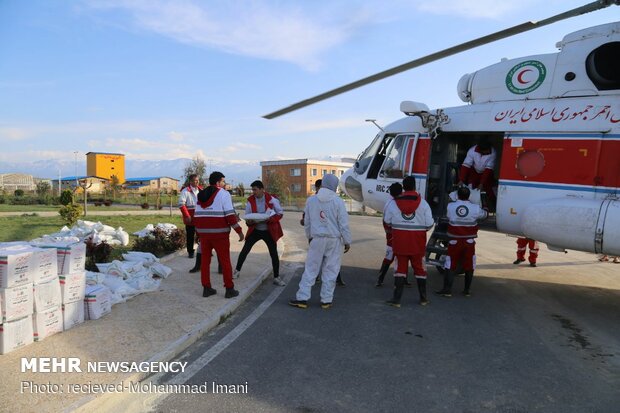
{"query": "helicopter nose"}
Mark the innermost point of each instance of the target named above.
(352, 187)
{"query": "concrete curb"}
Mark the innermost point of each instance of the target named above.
(94, 402)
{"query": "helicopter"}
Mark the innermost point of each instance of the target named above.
(553, 121)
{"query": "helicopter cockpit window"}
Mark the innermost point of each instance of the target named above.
(393, 165)
(363, 161)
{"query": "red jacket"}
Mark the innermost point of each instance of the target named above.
(215, 217)
(186, 202)
(409, 217)
(273, 224)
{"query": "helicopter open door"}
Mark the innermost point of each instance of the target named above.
(393, 161)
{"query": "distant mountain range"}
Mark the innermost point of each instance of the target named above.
(52, 169)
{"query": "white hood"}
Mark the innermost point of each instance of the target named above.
(326, 195)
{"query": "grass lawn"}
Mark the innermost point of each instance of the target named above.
(27, 208)
(91, 208)
(27, 228)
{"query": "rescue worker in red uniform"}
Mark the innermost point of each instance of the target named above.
(477, 169)
(408, 218)
(395, 190)
(463, 218)
(270, 231)
(187, 205)
(522, 245)
(214, 217)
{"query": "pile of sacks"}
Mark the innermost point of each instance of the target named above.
(85, 230)
(166, 228)
(140, 272)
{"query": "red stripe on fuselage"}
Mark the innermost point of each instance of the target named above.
(572, 161)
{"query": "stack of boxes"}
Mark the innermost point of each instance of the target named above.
(47, 318)
(41, 291)
(16, 298)
(72, 276)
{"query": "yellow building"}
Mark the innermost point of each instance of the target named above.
(104, 165)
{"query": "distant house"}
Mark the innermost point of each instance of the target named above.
(93, 183)
(152, 184)
(300, 174)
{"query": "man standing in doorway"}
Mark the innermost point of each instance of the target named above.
(408, 218)
(269, 231)
(187, 205)
(477, 169)
(327, 227)
(214, 217)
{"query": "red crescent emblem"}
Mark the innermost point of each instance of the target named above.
(520, 76)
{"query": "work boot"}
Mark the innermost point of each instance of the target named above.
(518, 261)
(469, 276)
(298, 303)
(532, 264)
(197, 265)
(231, 292)
(399, 284)
(382, 271)
(446, 291)
(422, 289)
(208, 291)
(339, 281)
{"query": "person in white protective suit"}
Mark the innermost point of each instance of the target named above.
(326, 223)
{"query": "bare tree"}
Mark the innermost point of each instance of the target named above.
(196, 166)
(43, 188)
(115, 185)
(240, 189)
(276, 183)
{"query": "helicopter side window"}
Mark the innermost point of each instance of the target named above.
(363, 161)
(377, 162)
(393, 166)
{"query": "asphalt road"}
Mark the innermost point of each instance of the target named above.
(540, 339)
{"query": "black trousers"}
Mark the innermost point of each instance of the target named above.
(252, 239)
(190, 238)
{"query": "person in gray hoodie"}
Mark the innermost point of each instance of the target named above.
(326, 224)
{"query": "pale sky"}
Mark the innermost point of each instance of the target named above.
(157, 79)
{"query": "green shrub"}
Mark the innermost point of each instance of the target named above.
(95, 253)
(19, 192)
(71, 213)
(159, 243)
(66, 197)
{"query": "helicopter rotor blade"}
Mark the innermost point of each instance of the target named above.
(520, 28)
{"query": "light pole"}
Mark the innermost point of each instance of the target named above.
(76, 169)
